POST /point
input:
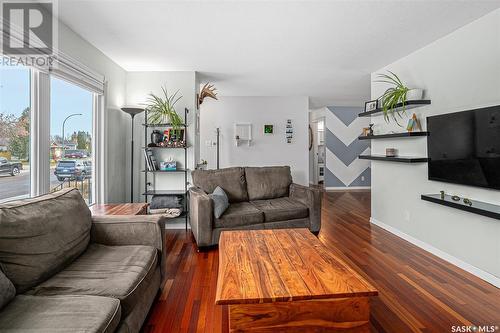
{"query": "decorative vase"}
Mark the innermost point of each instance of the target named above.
(414, 94)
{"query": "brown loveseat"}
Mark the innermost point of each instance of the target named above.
(62, 270)
(259, 197)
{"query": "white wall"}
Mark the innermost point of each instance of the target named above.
(265, 149)
(458, 72)
(116, 121)
(139, 85)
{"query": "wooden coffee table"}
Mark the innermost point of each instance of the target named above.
(120, 209)
(285, 280)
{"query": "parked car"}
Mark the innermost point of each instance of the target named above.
(75, 153)
(73, 169)
(12, 168)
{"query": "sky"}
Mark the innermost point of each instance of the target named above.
(65, 99)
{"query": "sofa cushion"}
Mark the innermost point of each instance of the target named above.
(239, 214)
(7, 290)
(268, 182)
(281, 209)
(121, 272)
(42, 235)
(60, 314)
(221, 202)
(231, 180)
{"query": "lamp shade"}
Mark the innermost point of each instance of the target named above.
(132, 110)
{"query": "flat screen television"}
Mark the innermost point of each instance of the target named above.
(464, 147)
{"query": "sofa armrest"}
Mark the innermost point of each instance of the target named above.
(201, 208)
(311, 197)
(116, 230)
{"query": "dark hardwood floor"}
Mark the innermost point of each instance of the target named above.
(418, 292)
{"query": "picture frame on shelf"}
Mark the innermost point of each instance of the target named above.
(371, 105)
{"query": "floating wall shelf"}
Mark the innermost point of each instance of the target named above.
(408, 105)
(400, 159)
(477, 207)
(393, 135)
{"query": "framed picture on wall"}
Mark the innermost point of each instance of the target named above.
(268, 129)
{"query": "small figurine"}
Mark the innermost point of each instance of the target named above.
(442, 195)
(371, 129)
(467, 201)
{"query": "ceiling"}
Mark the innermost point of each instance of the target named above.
(322, 49)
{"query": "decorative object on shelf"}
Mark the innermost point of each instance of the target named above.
(161, 110)
(366, 131)
(208, 90)
(151, 164)
(371, 105)
(442, 194)
(393, 96)
(132, 111)
(268, 129)
(243, 133)
(455, 198)
(391, 152)
(156, 137)
(370, 129)
(413, 124)
(467, 201)
(289, 131)
(169, 165)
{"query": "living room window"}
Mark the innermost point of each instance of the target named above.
(15, 118)
(34, 105)
(71, 138)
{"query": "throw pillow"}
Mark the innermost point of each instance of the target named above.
(221, 201)
(7, 290)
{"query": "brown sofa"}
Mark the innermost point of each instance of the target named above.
(62, 270)
(259, 197)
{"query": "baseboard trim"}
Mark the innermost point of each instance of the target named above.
(348, 188)
(488, 277)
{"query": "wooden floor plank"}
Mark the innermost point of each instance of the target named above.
(418, 292)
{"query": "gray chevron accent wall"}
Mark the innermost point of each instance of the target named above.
(343, 168)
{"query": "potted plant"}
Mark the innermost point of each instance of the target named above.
(398, 93)
(161, 110)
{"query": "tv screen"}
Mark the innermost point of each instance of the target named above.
(464, 147)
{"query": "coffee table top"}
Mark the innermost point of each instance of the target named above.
(263, 266)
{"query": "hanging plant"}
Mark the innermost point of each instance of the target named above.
(393, 96)
(161, 110)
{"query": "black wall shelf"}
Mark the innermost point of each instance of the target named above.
(401, 159)
(393, 135)
(478, 207)
(408, 105)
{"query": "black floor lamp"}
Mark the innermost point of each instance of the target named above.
(132, 112)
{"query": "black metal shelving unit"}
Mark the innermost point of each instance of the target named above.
(154, 191)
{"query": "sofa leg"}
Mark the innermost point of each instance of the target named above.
(205, 248)
(315, 233)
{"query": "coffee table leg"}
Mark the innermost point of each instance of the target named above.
(329, 315)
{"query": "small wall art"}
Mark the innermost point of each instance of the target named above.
(289, 131)
(268, 129)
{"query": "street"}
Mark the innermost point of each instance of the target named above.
(20, 185)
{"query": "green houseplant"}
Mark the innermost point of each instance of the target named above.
(392, 96)
(162, 109)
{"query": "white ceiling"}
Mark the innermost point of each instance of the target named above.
(321, 49)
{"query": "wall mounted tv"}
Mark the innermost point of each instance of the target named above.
(464, 147)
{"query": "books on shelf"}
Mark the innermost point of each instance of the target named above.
(151, 163)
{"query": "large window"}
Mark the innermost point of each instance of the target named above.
(71, 138)
(14, 132)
